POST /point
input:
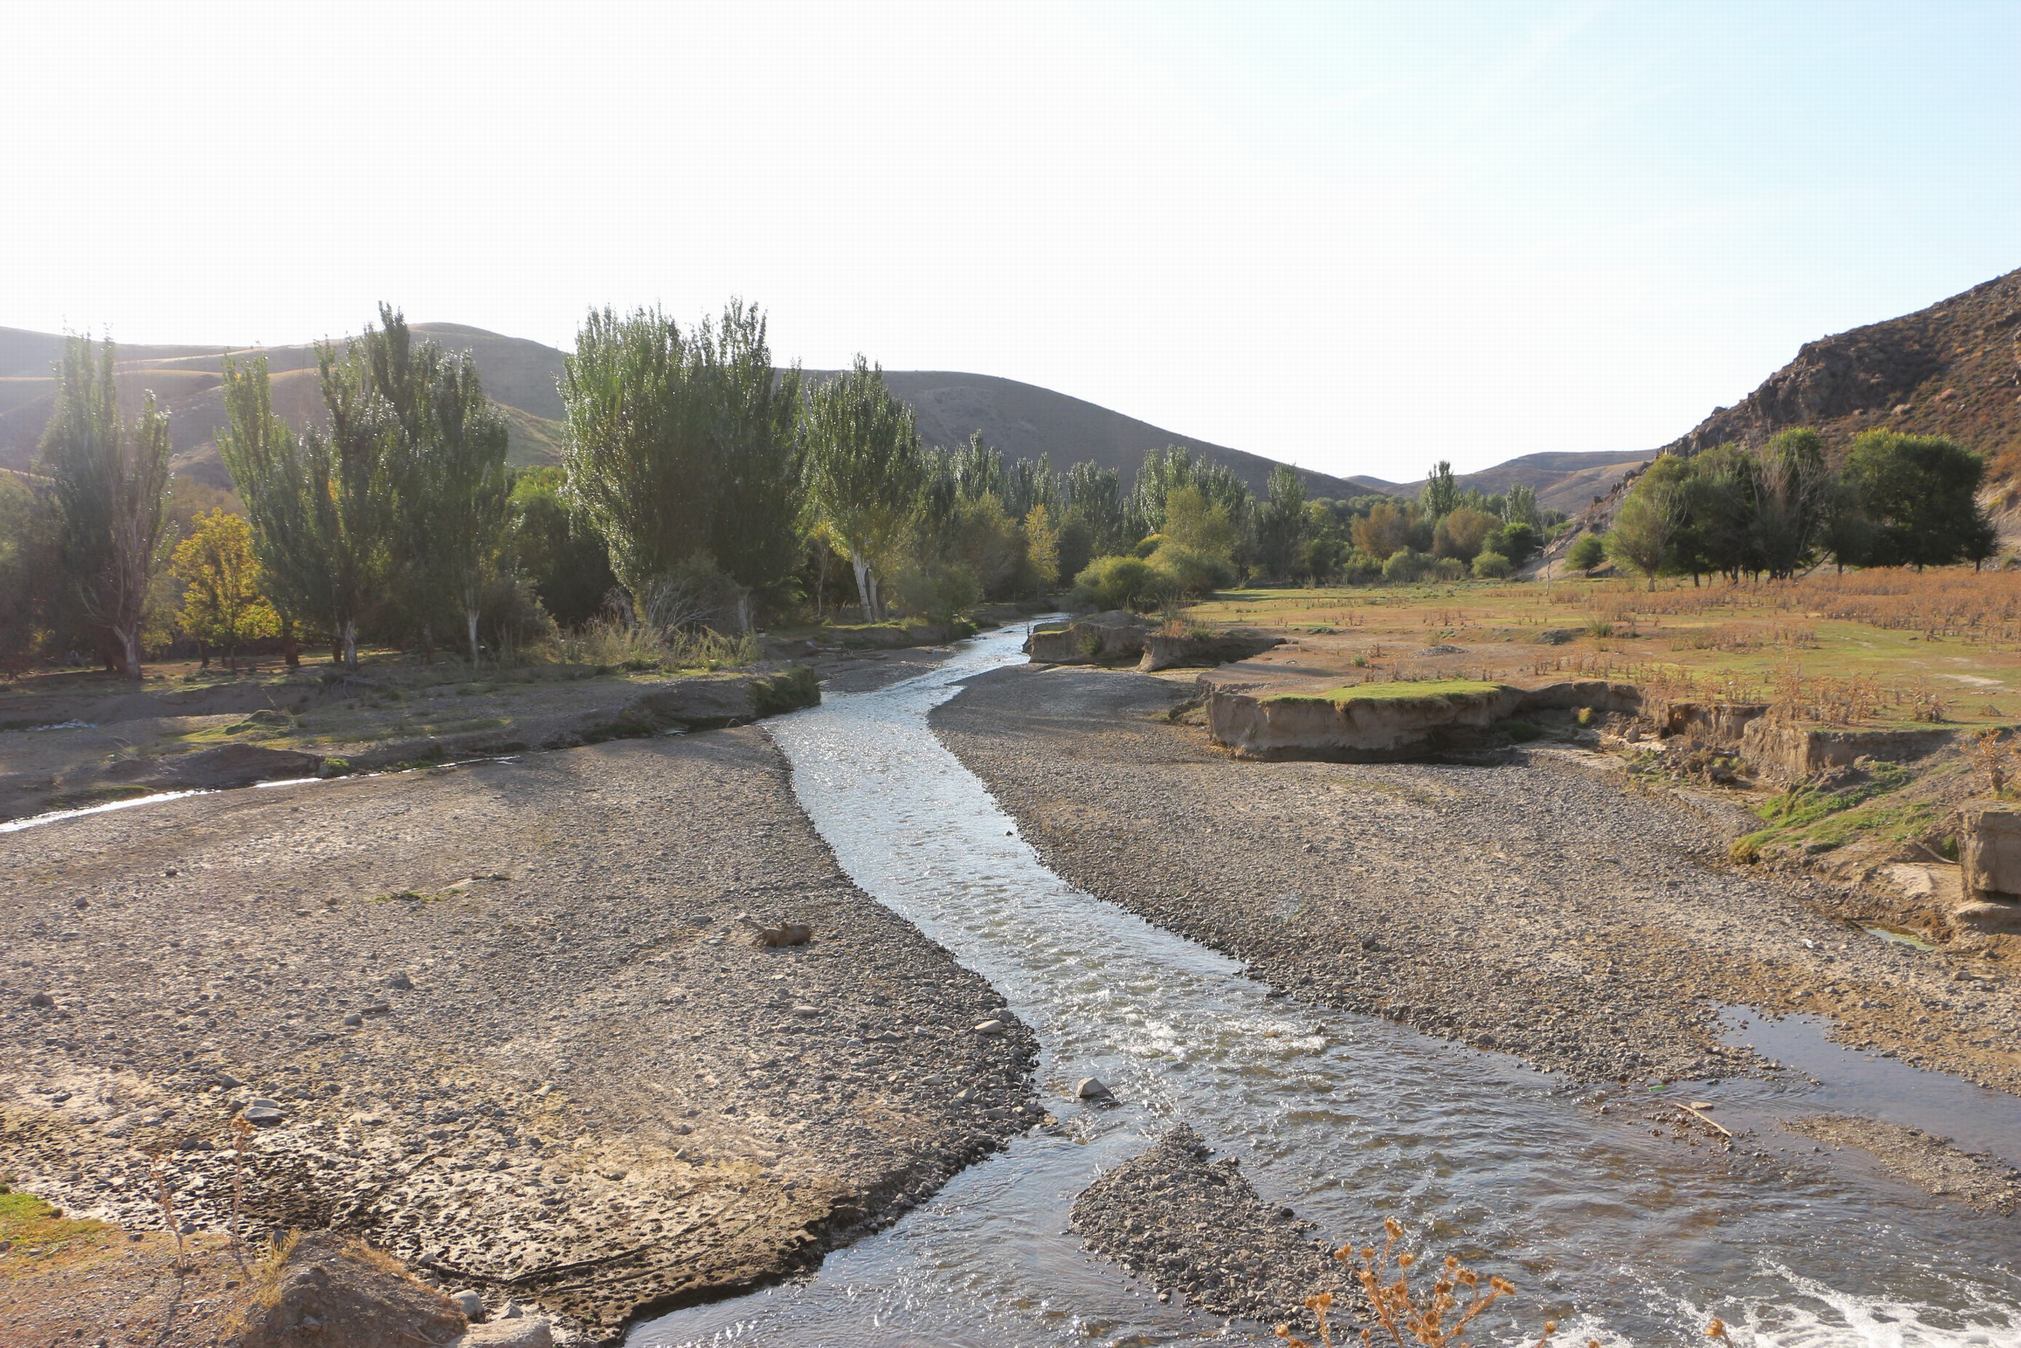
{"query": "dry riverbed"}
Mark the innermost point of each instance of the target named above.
(503, 1020)
(1544, 907)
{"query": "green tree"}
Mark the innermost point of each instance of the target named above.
(683, 445)
(1198, 525)
(977, 469)
(1519, 506)
(1586, 554)
(222, 601)
(30, 568)
(567, 562)
(1650, 521)
(1042, 547)
(1281, 524)
(1385, 530)
(1919, 494)
(111, 477)
(864, 469)
(1440, 494)
(1094, 500)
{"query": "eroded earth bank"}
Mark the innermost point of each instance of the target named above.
(503, 1021)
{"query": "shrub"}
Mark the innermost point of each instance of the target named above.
(1449, 568)
(1116, 582)
(937, 590)
(1361, 568)
(1492, 566)
(1405, 566)
(1190, 572)
(1587, 553)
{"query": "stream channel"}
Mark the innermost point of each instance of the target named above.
(1624, 1236)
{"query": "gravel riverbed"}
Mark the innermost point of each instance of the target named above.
(503, 1020)
(1545, 907)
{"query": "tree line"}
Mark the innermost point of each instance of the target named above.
(701, 485)
(1786, 506)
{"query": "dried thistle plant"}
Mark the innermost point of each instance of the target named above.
(241, 1135)
(164, 1201)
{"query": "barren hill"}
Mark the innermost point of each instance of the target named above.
(1025, 421)
(1567, 480)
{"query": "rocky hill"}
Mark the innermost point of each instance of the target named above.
(1951, 369)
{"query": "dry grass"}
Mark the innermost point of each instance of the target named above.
(1874, 648)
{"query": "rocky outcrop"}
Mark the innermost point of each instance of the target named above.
(1375, 722)
(1112, 638)
(1781, 752)
(709, 702)
(336, 1292)
(1989, 850)
(1202, 649)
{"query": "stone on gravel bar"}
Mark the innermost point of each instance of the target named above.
(1091, 1088)
(990, 1027)
(471, 1304)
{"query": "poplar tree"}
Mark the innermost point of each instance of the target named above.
(110, 476)
(864, 470)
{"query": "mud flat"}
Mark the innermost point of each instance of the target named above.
(505, 1021)
(1544, 907)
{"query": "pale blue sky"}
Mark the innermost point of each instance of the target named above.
(1357, 236)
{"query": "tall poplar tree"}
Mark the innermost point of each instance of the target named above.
(111, 476)
(864, 466)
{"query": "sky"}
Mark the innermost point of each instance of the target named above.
(1355, 236)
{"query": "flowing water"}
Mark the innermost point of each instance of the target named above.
(1624, 1236)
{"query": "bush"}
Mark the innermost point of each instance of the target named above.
(937, 591)
(1449, 568)
(1516, 541)
(1116, 582)
(1587, 553)
(1405, 566)
(1189, 572)
(1492, 566)
(1361, 568)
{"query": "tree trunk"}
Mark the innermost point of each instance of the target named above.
(347, 642)
(129, 650)
(470, 620)
(291, 650)
(863, 585)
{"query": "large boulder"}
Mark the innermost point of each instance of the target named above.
(1112, 638)
(710, 701)
(323, 1290)
(1989, 848)
(1782, 752)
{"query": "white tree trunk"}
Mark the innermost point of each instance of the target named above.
(865, 590)
(129, 648)
(470, 621)
(349, 636)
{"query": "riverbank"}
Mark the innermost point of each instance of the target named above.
(506, 1021)
(1545, 908)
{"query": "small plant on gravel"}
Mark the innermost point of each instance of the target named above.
(1993, 756)
(164, 1201)
(1404, 1315)
(242, 1135)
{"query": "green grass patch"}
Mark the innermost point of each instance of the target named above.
(28, 1223)
(1407, 690)
(1819, 818)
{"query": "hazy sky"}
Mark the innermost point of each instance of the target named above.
(1355, 236)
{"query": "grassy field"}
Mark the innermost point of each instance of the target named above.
(1865, 648)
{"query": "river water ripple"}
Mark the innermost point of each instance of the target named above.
(1622, 1236)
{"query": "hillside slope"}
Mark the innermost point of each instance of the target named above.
(1564, 480)
(1023, 420)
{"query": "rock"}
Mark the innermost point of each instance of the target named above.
(1110, 638)
(355, 1297)
(1989, 848)
(41, 1001)
(400, 982)
(784, 934)
(1202, 648)
(467, 1301)
(1091, 1088)
(991, 1028)
(530, 1331)
(265, 1113)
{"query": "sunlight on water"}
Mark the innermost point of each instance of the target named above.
(1626, 1237)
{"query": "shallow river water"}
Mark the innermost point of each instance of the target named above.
(1623, 1236)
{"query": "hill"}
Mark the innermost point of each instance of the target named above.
(1566, 480)
(1023, 420)
(1951, 369)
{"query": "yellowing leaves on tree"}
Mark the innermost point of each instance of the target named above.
(221, 601)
